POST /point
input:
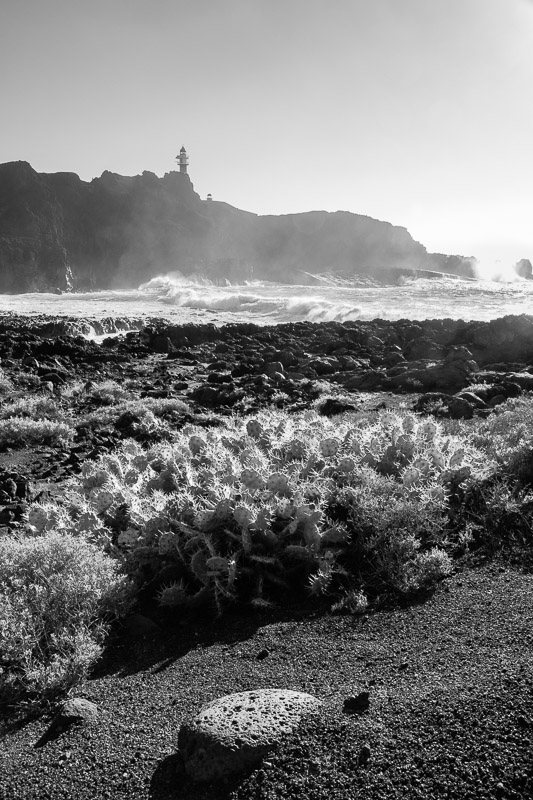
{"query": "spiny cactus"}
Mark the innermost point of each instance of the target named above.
(329, 447)
(347, 464)
(167, 544)
(173, 595)
(252, 479)
(197, 444)
(295, 449)
(277, 482)
(250, 507)
(243, 516)
(254, 428)
(128, 538)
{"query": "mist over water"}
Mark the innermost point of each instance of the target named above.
(198, 300)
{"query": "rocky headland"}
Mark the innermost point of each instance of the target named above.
(60, 233)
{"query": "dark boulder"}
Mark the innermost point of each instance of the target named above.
(445, 405)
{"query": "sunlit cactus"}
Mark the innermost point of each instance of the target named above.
(329, 447)
(197, 444)
(243, 516)
(102, 501)
(254, 428)
(252, 479)
(408, 424)
(38, 518)
(296, 449)
(423, 466)
(428, 429)
(251, 508)
(437, 457)
(87, 522)
(277, 482)
(457, 458)
(411, 477)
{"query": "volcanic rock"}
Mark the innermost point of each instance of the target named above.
(524, 269)
(445, 405)
(78, 709)
(234, 732)
(422, 347)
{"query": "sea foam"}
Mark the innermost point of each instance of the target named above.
(196, 299)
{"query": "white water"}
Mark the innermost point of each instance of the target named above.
(185, 300)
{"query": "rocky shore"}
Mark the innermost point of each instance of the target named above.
(443, 367)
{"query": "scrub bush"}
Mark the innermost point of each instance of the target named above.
(56, 593)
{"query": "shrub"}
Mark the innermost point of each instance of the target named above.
(507, 436)
(24, 432)
(391, 533)
(37, 408)
(107, 393)
(150, 410)
(56, 591)
(6, 385)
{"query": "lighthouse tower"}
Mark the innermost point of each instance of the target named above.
(183, 160)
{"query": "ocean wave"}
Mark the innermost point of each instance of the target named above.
(257, 298)
(266, 302)
(198, 299)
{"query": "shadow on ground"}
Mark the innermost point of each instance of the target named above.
(169, 782)
(148, 646)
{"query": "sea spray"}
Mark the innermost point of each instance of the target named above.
(198, 299)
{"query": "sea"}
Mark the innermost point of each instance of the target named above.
(195, 299)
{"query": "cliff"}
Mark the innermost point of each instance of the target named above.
(59, 232)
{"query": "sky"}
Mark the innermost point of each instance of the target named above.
(418, 112)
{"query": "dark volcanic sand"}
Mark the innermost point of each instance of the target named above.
(451, 704)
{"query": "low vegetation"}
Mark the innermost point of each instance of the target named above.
(364, 508)
(24, 432)
(56, 591)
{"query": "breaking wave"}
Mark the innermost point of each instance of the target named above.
(256, 298)
(418, 298)
(196, 299)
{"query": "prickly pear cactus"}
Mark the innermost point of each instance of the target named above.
(252, 479)
(128, 538)
(254, 428)
(197, 444)
(277, 482)
(347, 464)
(329, 447)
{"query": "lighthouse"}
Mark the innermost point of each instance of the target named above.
(183, 160)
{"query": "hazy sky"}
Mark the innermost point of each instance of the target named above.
(419, 112)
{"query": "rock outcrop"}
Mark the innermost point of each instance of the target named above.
(58, 232)
(524, 269)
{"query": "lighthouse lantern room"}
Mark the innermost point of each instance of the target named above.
(183, 160)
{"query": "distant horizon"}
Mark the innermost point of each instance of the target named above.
(415, 113)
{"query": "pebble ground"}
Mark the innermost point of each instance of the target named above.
(450, 714)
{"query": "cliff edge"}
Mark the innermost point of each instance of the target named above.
(58, 232)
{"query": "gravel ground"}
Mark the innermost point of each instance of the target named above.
(451, 705)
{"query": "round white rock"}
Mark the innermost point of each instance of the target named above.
(235, 732)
